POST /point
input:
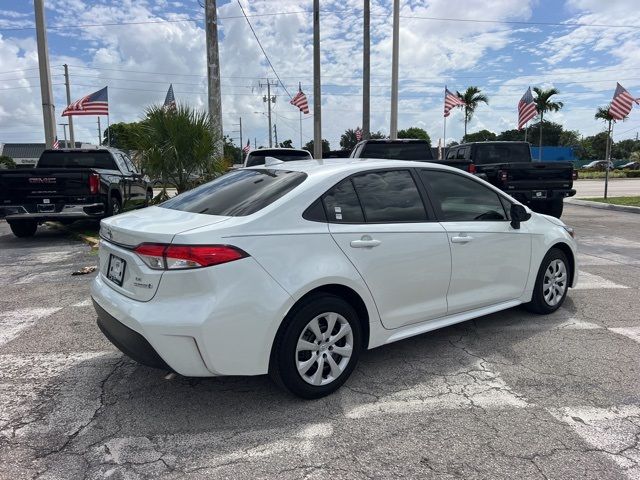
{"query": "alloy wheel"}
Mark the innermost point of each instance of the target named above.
(324, 349)
(554, 284)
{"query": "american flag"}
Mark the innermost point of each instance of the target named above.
(247, 147)
(621, 103)
(358, 134)
(56, 144)
(96, 103)
(526, 109)
(300, 101)
(170, 100)
(450, 101)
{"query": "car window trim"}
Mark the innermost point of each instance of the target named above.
(426, 202)
(438, 211)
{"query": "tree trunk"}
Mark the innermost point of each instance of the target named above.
(540, 146)
(465, 121)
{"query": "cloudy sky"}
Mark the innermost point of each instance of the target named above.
(138, 47)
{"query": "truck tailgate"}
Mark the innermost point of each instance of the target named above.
(30, 185)
(536, 175)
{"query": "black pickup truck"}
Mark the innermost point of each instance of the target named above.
(70, 185)
(508, 165)
(400, 149)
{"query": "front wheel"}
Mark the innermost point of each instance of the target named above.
(115, 206)
(552, 283)
(317, 348)
(23, 228)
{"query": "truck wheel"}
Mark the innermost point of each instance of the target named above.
(555, 207)
(23, 229)
(115, 207)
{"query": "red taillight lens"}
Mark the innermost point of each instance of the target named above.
(94, 183)
(176, 257)
(471, 168)
(575, 174)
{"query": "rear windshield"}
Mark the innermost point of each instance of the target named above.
(397, 151)
(98, 159)
(238, 193)
(501, 153)
(257, 158)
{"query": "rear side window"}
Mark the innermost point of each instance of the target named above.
(61, 159)
(397, 151)
(462, 152)
(462, 199)
(342, 205)
(238, 193)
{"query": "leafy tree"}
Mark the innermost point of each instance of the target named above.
(452, 144)
(550, 136)
(603, 113)
(377, 135)
(598, 145)
(348, 139)
(624, 148)
(286, 144)
(7, 162)
(545, 104)
(481, 136)
(635, 156)
(569, 138)
(325, 146)
(123, 135)
(176, 144)
(415, 132)
(472, 97)
(514, 135)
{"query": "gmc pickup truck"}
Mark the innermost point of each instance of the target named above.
(400, 149)
(508, 165)
(70, 185)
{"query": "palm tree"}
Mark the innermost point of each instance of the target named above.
(603, 113)
(544, 104)
(471, 98)
(177, 145)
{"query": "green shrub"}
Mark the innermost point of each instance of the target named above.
(633, 173)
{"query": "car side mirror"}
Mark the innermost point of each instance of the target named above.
(518, 214)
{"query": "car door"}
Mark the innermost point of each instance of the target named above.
(379, 220)
(490, 259)
(138, 186)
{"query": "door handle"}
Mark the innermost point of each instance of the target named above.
(365, 242)
(461, 239)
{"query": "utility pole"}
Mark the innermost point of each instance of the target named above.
(255, 143)
(393, 129)
(366, 73)
(269, 100)
(241, 144)
(99, 133)
(64, 127)
(48, 108)
(213, 74)
(70, 117)
(317, 99)
(275, 134)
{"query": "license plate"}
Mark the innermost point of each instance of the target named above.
(540, 194)
(115, 270)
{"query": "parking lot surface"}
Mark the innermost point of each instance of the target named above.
(618, 187)
(510, 395)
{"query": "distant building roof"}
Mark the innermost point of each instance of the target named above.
(29, 150)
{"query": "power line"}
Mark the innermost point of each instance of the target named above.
(262, 48)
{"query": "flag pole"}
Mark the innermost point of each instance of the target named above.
(108, 132)
(300, 112)
(526, 127)
(444, 133)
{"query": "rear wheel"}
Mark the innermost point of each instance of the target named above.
(317, 348)
(23, 228)
(115, 206)
(552, 283)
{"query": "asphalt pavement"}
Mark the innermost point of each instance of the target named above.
(510, 395)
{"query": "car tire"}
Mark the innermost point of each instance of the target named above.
(552, 283)
(23, 228)
(311, 365)
(115, 206)
(555, 208)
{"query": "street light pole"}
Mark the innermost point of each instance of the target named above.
(393, 129)
(213, 74)
(366, 73)
(64, 127)
(70, 117)
(48, 108)
(317, 99)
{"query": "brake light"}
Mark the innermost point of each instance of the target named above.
(471, 168)
(575, 174)
(178, 257)
(504, 176)
(94, 183)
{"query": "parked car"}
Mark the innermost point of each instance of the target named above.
(400, 149)
(508, 165)
(630, 166)
(341, 257)
(257, 157)
(599, 165)
(69, 185)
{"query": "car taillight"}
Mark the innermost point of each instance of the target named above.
(575, 174)
(178, 257)
(94, 183)
(471, 168)
(504, 176)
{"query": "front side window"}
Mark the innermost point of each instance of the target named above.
(461, 199)
(389, 197)
(238, 193)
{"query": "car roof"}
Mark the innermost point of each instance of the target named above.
(278, 149)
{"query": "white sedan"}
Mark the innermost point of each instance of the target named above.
(295, 268)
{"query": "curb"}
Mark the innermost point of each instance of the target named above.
(603, 206)
(93, 242)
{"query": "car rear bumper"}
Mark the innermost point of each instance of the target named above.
(531, 195)
(68, 212)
